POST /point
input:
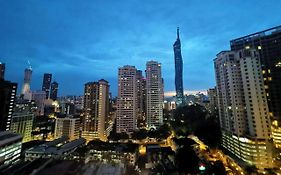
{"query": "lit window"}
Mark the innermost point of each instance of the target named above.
(278, 64)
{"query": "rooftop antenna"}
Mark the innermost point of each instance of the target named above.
(178, 32)
(29, 65)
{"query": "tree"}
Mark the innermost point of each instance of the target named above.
(163, 132)
(217, 169)
(209, 131)
(193, 120)
(187, 160)
(140, 134)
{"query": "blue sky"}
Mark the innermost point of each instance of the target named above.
(81, 41)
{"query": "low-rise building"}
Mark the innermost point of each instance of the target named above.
(56, 149)
(113, 152)
(10, 148)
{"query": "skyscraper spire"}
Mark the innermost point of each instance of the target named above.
(178, 33)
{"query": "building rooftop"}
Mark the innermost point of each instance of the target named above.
(118, 147)
(57, 147)
(7, 136)
(258, 34)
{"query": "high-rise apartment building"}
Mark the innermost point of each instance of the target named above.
(2, 71)
(96, 109)
(268, 44)
(22, 119)
(141, 100)
(178, 71)
(68, 126)
(8, 92)
(54, 91)
(47, 84)
(26, 83)
(127, 99)
(243, 109)
(155, 94)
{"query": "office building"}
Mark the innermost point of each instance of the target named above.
(242, 106)
(2, 71)
(155, 95)
(26, 83)
(22, 119)
(178, 71)
(46, 85)
(213, 100)
(39, 98)
(54, 91)
(8, 92)
(67, 108)
(127, 99)
(10, 148)
(67, 126)
(169, 105)
(96, 109)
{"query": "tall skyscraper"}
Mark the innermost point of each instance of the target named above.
(22, 119)
(47, 84)
(2, 71)
(26, 83)
(54, 91)
(8, 92)
(96, 109)
(155, 94)
(243, 110)
(127, 99)
(178, 71)
(68, 126)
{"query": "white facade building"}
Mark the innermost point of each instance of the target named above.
(242, 107)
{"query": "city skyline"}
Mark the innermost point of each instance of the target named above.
(82, 44)
(140, 87)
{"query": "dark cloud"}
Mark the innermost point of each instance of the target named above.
(89, 40)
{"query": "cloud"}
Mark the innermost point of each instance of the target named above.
(87, 41)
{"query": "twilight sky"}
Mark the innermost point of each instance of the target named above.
(81, 41)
